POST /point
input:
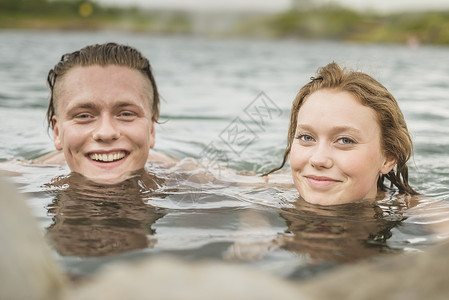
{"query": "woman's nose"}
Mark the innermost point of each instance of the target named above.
(321, 157)
(106, 130)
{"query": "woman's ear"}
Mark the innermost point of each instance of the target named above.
(388, 165)
(152, 134)
(56, 136)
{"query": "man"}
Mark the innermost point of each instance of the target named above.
(103, 105)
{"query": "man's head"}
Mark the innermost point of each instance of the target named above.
(103, 105)
(102, 55)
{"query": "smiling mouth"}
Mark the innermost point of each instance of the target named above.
(321, 182)
(110, 157)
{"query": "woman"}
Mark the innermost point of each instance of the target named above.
(347, 135)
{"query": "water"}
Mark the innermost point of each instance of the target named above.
(208, 86)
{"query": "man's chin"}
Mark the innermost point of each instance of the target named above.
(110, 178)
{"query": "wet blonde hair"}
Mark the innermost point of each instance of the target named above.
(395, 138)
(102, 55)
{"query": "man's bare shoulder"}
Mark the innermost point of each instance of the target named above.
(17, 167)
(52, 158)
(160, 157)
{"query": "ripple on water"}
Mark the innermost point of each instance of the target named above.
(204, 87)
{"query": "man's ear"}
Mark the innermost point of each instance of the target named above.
(56, 136)
(152, 134)
(388, 165)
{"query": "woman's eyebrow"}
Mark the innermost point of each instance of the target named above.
(304, 126)
(334, 129)
(351, 129)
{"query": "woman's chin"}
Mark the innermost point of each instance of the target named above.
(324, 199)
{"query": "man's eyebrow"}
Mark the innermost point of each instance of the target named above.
(124, 104)
(92, 105)
(129, 105)
(85, 105)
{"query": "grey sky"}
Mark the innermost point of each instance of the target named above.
(279, 5)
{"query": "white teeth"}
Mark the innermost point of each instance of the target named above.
(107, 157)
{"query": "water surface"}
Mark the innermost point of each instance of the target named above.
(207, 87)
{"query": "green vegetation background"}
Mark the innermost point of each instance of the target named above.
(325, 22)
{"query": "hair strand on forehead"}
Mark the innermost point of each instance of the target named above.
(102, 55)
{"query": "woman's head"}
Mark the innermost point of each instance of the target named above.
(101, 55)
(394, 140)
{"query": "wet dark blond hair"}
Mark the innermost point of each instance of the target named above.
(102, 55)
(395, 138)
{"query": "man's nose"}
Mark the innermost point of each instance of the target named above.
(106, 129)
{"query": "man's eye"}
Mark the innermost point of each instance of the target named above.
(127, 114)
(83, 116)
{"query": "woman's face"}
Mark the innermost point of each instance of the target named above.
(336, 156)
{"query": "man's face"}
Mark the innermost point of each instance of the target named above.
(103, 121)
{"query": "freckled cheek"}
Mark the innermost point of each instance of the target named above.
(363, 178)
(73, 138)
(297, 159)
(139, 134)
(357, 166)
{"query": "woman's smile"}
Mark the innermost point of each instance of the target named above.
(337, 155)
(321, 182)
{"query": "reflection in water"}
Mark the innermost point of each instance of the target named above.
(327, 235)
(91, 219)
(269, 227)
(340, 233)
(204, 220)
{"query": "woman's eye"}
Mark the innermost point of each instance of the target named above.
(305, 138)
(345, 141)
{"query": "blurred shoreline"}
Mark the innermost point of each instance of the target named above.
(325, 22)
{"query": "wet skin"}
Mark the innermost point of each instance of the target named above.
(103, 121)
(336, 156)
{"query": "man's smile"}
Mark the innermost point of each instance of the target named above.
(107, 157)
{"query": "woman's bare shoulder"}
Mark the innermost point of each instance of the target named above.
(281, 180)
